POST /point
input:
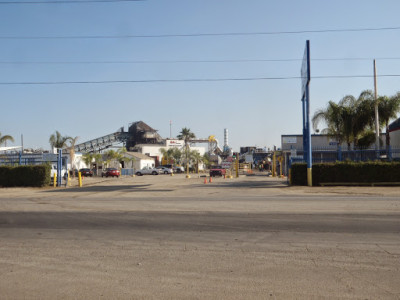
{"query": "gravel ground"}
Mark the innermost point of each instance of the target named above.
(168, 237)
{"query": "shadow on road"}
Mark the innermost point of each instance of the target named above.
(109, 188)
(229, 183)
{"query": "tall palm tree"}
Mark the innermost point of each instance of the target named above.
(5, 138)
(388, 108)
(56, 140)
(186, 135)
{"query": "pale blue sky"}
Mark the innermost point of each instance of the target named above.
(255, 112)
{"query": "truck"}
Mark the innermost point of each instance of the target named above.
(217, 171)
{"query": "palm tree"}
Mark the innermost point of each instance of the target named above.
(388, 108)
(71, 148)
(176, 155)
(122, 158)
(349, 119)
(56, 140)
(186, 135)
(197, 158)
(167, 155)
(88, 158)
(5, 138)
(332, 117)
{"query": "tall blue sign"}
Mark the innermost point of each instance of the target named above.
(305, 99)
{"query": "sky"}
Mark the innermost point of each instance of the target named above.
(137, 61)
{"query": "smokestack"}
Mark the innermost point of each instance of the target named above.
(225, 137)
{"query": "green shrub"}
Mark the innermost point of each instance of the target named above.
(347, 172)
(35, 176)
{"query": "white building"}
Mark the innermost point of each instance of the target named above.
(140, 161)
(153, 150)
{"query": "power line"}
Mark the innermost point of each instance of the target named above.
(195, 34)
(66, 1)
(190, 80)
(194, 61)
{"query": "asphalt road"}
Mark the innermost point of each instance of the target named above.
(170, 238)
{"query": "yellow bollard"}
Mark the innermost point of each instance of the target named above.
(55, 180)
(80, 179)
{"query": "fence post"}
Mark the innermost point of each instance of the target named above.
(340, 153)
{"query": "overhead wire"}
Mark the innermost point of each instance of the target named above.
(191, 80)
(197, 61)
(195, 34)
(66, 1)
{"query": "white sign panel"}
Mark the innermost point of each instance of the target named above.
(248, 158)
(226, 164)
(289, 140)
(175, 143)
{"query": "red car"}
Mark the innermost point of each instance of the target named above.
(113, 172)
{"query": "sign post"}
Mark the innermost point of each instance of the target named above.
(305, 98)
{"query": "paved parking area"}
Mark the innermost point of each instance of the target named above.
(169, 237)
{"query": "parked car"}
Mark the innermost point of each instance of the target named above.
(164, 170)
(178, 169)
(54, 172)
(86, 172)
(147, 171)
(110, 172)
(217, 171)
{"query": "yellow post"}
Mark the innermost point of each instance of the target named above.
(309, 176)
(290, 176)
(55, 180)
(274, 165)
(80, 179)
(237, 167)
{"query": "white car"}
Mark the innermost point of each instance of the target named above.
(164, 170)
(54, 171)
(147, 171)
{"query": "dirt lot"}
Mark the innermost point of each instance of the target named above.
(169, 237)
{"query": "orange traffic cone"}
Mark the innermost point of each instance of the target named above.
(210, 179)
(205, 180)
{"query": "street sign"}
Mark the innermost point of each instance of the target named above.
(226, 164)
(305, 69)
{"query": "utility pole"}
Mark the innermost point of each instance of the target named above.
(170, 129)
(376, 114)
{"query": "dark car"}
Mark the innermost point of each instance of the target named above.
(86, 172)
(112, 172)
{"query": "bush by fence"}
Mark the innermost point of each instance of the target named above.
(35, 176)
(347, 172)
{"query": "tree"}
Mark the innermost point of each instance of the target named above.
(5, 138)
(56, 140)
(186, 135)
(348, 120)
(88, 158)
(332, 117)
(196, 157)
(388, 107)
(167, 155)
(176, 155)
(71, 148)
(122, 158)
